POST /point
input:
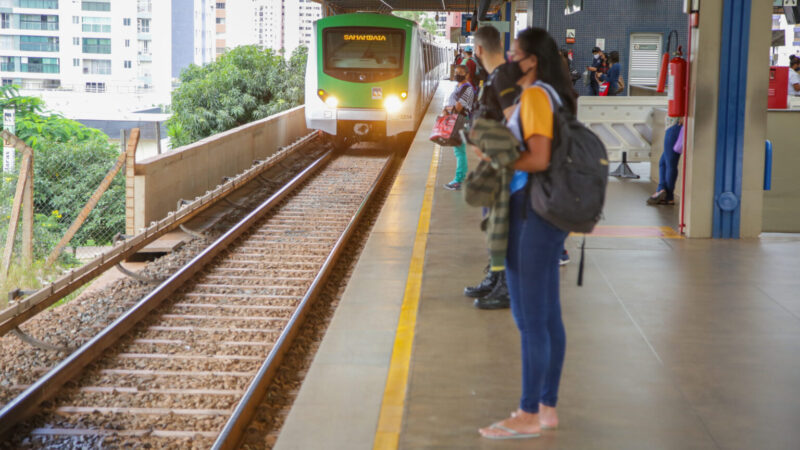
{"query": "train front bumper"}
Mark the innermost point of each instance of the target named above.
(352, 121)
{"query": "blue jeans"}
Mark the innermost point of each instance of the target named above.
(668, 165)
(534, 248)
(461, 162)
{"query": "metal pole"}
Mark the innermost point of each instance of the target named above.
(158, 137)
(547, 25)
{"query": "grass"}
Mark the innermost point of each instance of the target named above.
(33, 278)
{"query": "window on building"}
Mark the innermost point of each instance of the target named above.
(126, 21)
(97, 66)
(97, 24)
(76, 20)
(76, 62)
(95, 6)
(7, 63)
(76, 41)
(220, 5)
(39, 65)
(220, 20)
(128, 64)
(95, 45)
(143, 25)
(38, 43)
(7, 81)
(41, 4)
(95, 87)
(127, 43)
(34, 22)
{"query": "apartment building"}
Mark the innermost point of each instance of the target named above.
(221, 27)
(113, 46)
(275, 24)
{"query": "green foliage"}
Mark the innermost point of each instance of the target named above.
(70, 161)
(33, 123)
(244, 85)
(67, 174)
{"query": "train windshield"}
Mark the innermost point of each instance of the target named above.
(363, 49)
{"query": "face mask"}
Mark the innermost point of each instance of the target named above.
(460, 78)
(596, 56)
(511, 71)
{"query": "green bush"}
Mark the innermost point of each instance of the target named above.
(244, 85)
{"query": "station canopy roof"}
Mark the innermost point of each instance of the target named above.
(386, 6)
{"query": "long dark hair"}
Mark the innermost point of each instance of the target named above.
(551, 68)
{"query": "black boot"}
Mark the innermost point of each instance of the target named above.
(485, 286)
(498, 298)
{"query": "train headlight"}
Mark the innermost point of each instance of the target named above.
(392, 104)
(332, 101)
(404, 95)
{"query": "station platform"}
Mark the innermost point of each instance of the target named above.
(671, 343)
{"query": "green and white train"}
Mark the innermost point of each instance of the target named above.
(370, 77)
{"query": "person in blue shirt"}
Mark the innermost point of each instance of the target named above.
(595, 69)
(612, 77)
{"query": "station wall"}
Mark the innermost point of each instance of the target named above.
(614, 21)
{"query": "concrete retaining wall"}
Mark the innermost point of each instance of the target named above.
(184, 173)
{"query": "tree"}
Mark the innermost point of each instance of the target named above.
(70, 160)
(243, 85)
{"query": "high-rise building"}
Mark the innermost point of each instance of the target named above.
(221, 27)
(117, 46)
(275, 24)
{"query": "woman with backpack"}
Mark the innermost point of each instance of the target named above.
(534, 245)
(460, 101)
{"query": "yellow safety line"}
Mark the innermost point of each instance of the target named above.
(668, 233)
(390, 421)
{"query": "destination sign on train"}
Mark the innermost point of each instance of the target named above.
(364, 37)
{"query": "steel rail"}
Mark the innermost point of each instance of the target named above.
(237, 424)
(27, 308)
(25, 404)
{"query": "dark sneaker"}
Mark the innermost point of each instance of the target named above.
(484, 287)
(453, 186)
(564, 260)
(498, 298)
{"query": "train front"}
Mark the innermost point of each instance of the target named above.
(357, 81)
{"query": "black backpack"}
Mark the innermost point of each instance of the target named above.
(570, 194)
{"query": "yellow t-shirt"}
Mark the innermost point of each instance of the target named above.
(535, 113)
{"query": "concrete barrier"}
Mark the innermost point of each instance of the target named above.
(186, 172)
(782, 202)
(623, 123)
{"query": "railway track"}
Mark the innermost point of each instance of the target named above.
(188, 364)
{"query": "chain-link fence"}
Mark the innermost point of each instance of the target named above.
(65, 177)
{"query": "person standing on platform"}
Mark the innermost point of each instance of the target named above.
(794, 76)
(613, 75)
(534, 245)
(668, 164)
(496, 102)
(472, 67)
(595, 69)
(460, 101)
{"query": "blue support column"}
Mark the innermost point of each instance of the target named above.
(510, 18)
(731, 118)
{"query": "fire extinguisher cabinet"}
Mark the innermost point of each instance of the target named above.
(778, 87)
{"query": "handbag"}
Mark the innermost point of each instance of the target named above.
(604, 89)
(445, 130)
(585, 76)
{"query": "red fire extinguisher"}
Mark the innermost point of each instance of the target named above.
(676, 93)
(662, 74)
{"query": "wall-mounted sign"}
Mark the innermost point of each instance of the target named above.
(600, 43)
(10, 125)
(570, 35)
